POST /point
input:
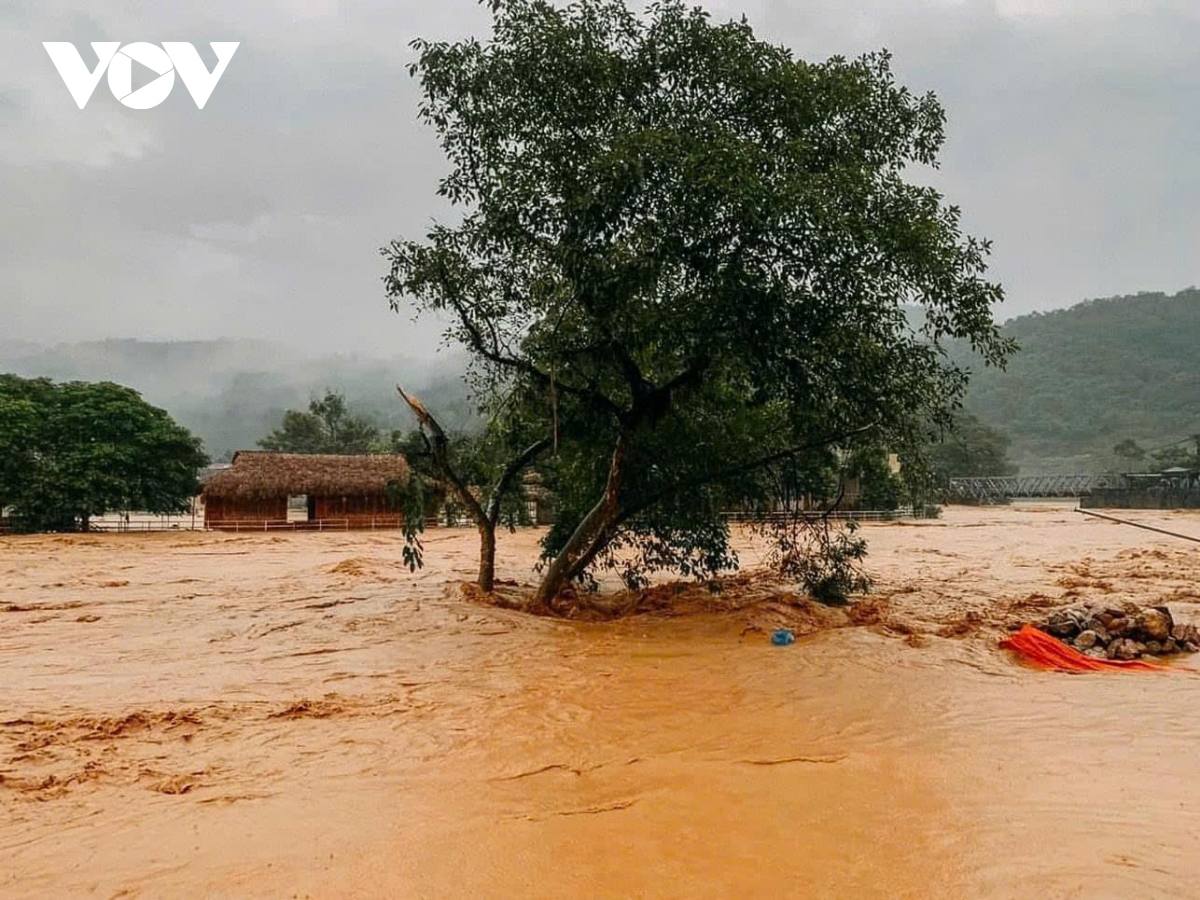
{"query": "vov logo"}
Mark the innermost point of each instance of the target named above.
(164, 61)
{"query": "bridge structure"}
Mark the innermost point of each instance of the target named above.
(1002, 488)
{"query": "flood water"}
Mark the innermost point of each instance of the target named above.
(201, 715)
(850, 765)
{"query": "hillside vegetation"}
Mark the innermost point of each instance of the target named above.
(1092, 376)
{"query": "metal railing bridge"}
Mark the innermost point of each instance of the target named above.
(1002, 488)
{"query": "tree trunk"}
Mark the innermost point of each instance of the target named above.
(487, 519)
(583, 542)
(594, 548)
(487, 556)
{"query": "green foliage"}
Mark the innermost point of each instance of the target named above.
(969, 449)
(825, 560)
(878, 486)
(1124, 367)
(230, 393)
(468, 452)
(409, 496)
(18, 429)
(688, 546)
(693, 253)
(1182, 454)
(77, 450)
(1130, 449)
(479, 460)
(328, 427)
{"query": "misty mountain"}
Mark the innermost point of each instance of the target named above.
(1086, 379)
(232, 392)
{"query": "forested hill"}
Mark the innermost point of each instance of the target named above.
(1091, 376)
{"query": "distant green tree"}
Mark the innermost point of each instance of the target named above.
(1179, 455)
(970, 449)
(878, 486)
(18, 424)
(80, 450)
(1129, 452)
(328, 427)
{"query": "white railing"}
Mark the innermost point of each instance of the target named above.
(150, 525)
(389, 523)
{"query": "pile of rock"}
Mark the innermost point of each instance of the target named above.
(1127, 631)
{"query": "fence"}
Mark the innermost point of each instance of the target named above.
(1159, 497)
(140, 527)
(159, 524)
(840, 515)
(149, 525)
(356, 524)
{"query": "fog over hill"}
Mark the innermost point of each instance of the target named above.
(1086, 378)
(233, 392)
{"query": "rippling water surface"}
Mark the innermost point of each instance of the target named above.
(209, 716)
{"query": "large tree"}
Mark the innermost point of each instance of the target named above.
(19, 411)
(697, 250)
(81, 450)
(970, 448)
(329, 426)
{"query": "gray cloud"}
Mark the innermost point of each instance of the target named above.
(1072, 144)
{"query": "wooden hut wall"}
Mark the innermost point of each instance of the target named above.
(359, 511)
(260, 511)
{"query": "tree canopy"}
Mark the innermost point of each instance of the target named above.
(328, 426)
(970, 448)
(72, 451)
(690, 254)
(1184, 454)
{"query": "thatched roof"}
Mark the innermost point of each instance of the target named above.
(206, 474)
(260, 474)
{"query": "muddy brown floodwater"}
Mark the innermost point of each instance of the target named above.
(273, 716)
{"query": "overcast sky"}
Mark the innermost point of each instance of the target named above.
(1073, 142)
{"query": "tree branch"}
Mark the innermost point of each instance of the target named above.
(494, 355)
(510, 472)
(440, 448)
(740, 469)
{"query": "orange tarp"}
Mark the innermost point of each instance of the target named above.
(1048, 652)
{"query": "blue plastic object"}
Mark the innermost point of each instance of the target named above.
(783, 637)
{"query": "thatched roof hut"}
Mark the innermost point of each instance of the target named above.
(258, 475)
